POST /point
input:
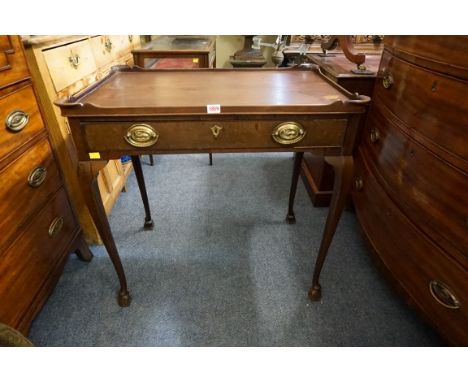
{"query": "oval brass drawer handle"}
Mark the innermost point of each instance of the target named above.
(387, 81)
(141, 135)
(16, 120)
(288, 133)
(374, 135)
(37, 176)
(56, 226)
(443, 295)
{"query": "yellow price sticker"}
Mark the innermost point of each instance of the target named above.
(94, 156)
(195, 60)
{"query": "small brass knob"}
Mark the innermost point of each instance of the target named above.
(374, 135)
(288, 133)
(443, 295)
(387, 81)
(56, 226)
(358, 183)
(37, 176)
(16, 120)
(141, 135)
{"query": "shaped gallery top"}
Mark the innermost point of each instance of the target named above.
(134, 91)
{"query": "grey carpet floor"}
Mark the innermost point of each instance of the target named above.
(222, 268)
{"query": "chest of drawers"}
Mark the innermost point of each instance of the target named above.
(411, 186)
(62, 66)
(38, 226)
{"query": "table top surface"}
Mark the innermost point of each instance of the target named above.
(202, 44)
(190, 91)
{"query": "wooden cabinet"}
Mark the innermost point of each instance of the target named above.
(38, 226)
(65, 65)
(412, 177)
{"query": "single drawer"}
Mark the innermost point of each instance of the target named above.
(69, 63)
(430, 191)
(434, 282)
(27, 183)
(430, 104)
(20, 118)
(28, 262)
(192, 136)
(12, 62)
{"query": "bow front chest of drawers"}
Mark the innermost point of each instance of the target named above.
(38, 227)
(411, 186)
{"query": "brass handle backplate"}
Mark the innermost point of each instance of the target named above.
(74, 60)
(443, 295)
(16, 120)
(141, 135)
(37, 176)
(108, 44)
(387, 81)
(130, 38)
(56, 226)
(288, 133)
(374, 135)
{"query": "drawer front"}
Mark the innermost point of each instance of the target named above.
(430, 191)
(447, 50)
(27, 182)
(69, 63)
(430, 277)
(27, 263)
(20, 119)
(13, 66)
(104, 49)
(208, 135)
(430, 104)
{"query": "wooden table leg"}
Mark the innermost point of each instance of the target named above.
(88, 172)
(141, 185)
(290, 218)
(151, 160)
(343, 166)
(82, 250)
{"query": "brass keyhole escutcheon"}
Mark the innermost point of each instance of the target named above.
(387, 81)
(288, 133)
(358, 183)
(108, 44)
(216, 130)
(74, 60)
(374, 135)
(141, 135)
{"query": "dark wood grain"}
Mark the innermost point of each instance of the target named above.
(13, 66)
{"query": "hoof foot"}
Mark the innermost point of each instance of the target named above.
(149, 224)
(124, 299)
(291, 219)
(315, 293)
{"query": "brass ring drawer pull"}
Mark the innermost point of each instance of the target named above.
(56, 226)
(358, 183)
(74, 60)
(387, 81)
(141, 135)
(288, 133)
(374, 135)
(16, 120)
(37, 176)
(443, 295)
